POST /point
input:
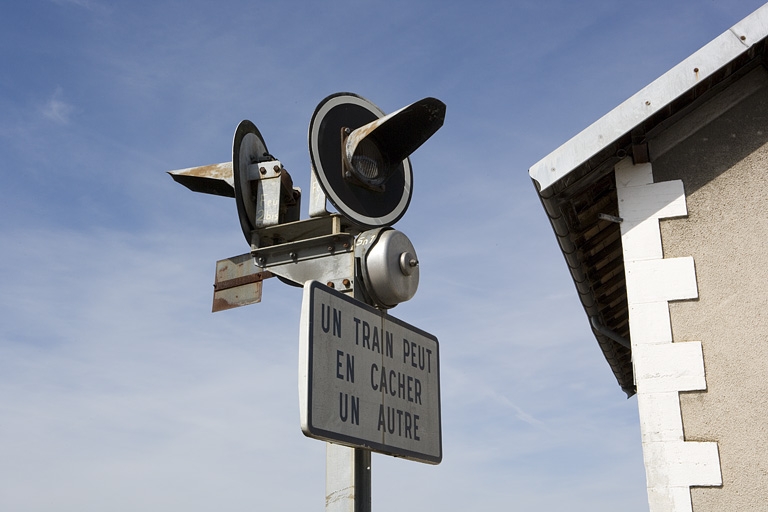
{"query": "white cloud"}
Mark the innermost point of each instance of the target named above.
(56, 109)
(86, 4)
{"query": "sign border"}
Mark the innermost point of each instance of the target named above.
(305, 380)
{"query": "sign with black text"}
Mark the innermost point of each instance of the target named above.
(367, 379)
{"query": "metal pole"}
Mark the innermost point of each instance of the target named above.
(347, 479)
(348, 470)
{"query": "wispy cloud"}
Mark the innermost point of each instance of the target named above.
(56, 109)
(87, 4)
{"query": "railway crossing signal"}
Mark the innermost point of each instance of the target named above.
(360, 163)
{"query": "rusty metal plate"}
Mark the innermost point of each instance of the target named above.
(213, 179)
(238, 282)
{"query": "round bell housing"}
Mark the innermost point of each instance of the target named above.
(390, 267)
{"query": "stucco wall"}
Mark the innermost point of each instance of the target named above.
(724, 168)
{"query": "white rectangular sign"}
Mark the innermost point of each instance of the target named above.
(367, 379)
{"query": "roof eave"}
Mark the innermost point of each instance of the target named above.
(572, 172)
(651, 99)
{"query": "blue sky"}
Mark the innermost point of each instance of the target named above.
(120, 391)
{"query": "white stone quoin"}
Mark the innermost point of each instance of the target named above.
(662, 368)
